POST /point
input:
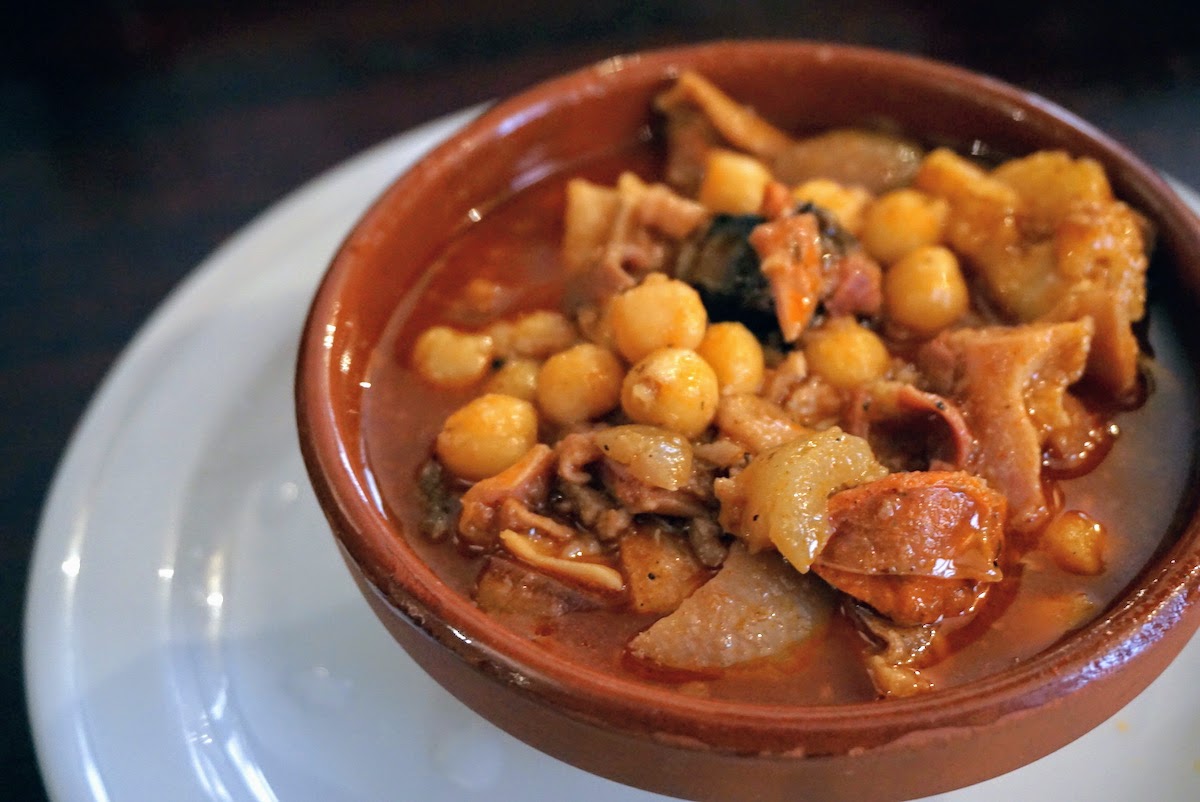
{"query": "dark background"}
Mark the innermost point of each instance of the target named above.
(136, 136)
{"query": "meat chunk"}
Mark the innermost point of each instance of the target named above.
(700, 116)
(900, 653)
(855, 286)
(509, 586)
(1050, 243)
(661, 569)
(910, 429)
(615, 235)
(638, 497)
(917, 547)
(527, 480)
(1012, 384)
(790, 252)
(755, 607)
(755, 423)
(575, 452)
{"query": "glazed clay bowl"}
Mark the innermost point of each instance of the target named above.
(640, 734)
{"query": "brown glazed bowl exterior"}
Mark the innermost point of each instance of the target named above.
(646, 736)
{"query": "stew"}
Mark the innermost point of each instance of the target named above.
(811, 420)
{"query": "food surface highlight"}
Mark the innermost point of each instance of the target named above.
(781, 418)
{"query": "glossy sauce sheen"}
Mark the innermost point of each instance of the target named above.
(1135, 493)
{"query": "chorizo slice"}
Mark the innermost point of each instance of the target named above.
(916, 547)
(789, 250)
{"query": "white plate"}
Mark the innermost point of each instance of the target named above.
(192, 634)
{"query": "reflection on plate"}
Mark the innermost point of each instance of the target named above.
(192, 634)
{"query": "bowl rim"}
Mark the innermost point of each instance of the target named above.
(1167, 591)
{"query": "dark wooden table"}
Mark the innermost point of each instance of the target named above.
(136, 136)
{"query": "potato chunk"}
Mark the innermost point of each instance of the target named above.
(755, 607)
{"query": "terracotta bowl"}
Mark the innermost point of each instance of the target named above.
(643, 735)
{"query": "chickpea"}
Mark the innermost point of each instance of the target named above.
(1075, 541)
(847, 204)
(487, 435)
(516, 377)
(450, 358)
(534, 334)
(673, 388)
(900, 221)
(925, 291)
(735, 355)
(845, 353)
(733, 182)
(579, 384)
(595, 324)
(660, 312)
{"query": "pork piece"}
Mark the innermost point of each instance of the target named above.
(701, 116)
(1012, 384)
(527, 481)
(807, 259)
(1048, 241)
(690, 137)
(705, 537)
(514, 515)
(654, 456)
(575, 452)
(579, 453)
(1112, 364)
(910, 429)
(855, 285)
(755, 607)
(573, 560)
(755, 423)
(900, 653)
(789, 250)
(771, 273)
(784, 378)
(505, 585)
(916, 547)
(638, 497)
(722, 453)
(613, 236)
(660, 568)
(593, 509)
(806, 397)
